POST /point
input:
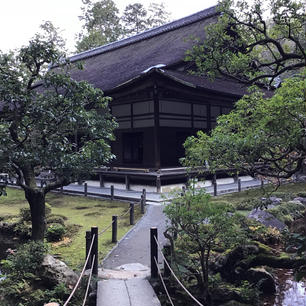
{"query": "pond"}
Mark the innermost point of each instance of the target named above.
(288, 291)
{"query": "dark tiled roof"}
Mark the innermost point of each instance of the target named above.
(108, 66)
(147, 34)
(218, 84)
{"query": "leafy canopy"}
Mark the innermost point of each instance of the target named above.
(103, 24)
(49, 121)
(261, 136)
(197, 228)
(253, 42)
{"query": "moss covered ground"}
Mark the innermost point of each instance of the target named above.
(81, 213)
(246, 200)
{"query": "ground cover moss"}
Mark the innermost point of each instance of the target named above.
(249, 198)
(81, 213)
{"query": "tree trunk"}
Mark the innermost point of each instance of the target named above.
(204, 266)
(36, 199)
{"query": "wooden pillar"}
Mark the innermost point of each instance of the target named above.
(158, 184)
(101, 178)
(142, 204)
(156, 137)
(88, 242)
(112, 192)
(94, 251)
(239, 185)
(131, 213)
(127, 182)
(208, 118)
(215, 184)
(192, 115)
(114, 228)
(144, 193)
(85, 189)
(154, 252)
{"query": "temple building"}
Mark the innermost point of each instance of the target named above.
(156, 100)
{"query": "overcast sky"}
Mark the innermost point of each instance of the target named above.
(20, 19)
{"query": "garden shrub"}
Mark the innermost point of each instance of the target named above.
(23, 229)
(55, 232)
(26, 260)
(25, 214)
(248, 204)
(55, 219)
(287, 212)
(22, 285)
(285, 196)
(301, 194)
(270, 235)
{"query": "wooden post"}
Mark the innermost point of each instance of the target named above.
(262, 183)
(131, 213)
(183, 189)
(144, 193)
(156, 128)
(41, 183)
(215, 178)
(142, 208)
(236, 177)
(154, 252)
(114, 228)
(215, 188)
(112, 192)
(158, 184)
(85, 189)
(88, 242)
(167, 254)
(239, 185)
(127, 182)
(94, 251)
(62, 189)
(101, 179)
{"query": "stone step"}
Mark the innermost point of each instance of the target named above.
(130, 292)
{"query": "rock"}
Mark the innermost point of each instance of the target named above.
(262, 279)
(54, 271)
(300, 178)
(300, 199)
(298, 226)
(297, 202)
(52, 304)
(223, 294)
(275, 200)
(266, 219)
(271, 202)
(229, 265)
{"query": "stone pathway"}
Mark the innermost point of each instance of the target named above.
(131, 292)
(125, 269)
(135, 246)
